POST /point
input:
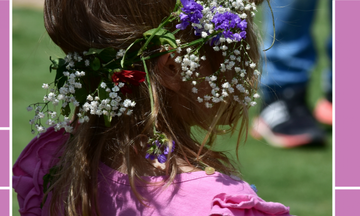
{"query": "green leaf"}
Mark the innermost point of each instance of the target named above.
(65, 111)
(169, 38)
(80, 95)
(107, 120)
(102, 93)
(60, 82)
(95, 64)
(152, 31)
(59, 65)
(107, 54)
(94, 51)
(161, 37)
(151, 150)
(56, 63)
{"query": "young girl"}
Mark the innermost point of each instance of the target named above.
(138, 78)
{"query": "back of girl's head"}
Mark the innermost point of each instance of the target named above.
(77, 26)
(80, 25)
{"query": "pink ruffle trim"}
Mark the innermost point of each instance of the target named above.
(245, 205)
(29, 169)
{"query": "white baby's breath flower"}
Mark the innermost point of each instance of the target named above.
(178, 59)
(61, 97)
(52, 114)
(115, 89)
(226, 85)
(103, 85)
(41, 115)
(120, 53)
(86, 118)
(204, 34)
(127, 103)
(55, 102)
(45, 86)
(40, 129)
(208, 105)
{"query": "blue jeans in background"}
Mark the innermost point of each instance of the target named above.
(291, 59)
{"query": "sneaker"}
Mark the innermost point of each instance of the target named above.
(287, 123)
(323, 111)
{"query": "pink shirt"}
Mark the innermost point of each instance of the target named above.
(194, 193)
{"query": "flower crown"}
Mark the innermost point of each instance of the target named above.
(219, 24)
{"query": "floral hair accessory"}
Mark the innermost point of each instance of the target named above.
(217, 23)
(159, 148)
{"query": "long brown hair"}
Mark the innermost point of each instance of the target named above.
(76, 26)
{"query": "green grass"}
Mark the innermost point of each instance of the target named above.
(299, 178)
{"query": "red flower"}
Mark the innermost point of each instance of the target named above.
(128, 77)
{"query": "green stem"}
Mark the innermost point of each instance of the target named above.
(168, 20)
(150, 90)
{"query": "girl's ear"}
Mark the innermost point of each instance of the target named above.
(168, 69)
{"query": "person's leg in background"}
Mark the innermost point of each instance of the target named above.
(323, 109)
(285, 120)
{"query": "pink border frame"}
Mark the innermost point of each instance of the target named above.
(346, 178)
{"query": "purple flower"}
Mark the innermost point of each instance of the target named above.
(215, 40)
(225, 20)
(228, 34)
(242, 25)
(197, 31)
(182, 26)
(149, 156)
(239, 36)
(157, 143)
(229, 22)
(192, 13)
(166, 150)
(161, 158)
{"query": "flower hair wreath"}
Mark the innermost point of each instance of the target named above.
(217, 23)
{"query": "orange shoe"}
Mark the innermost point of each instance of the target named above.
(323, 112)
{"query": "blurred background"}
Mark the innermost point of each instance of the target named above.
(300, 178)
